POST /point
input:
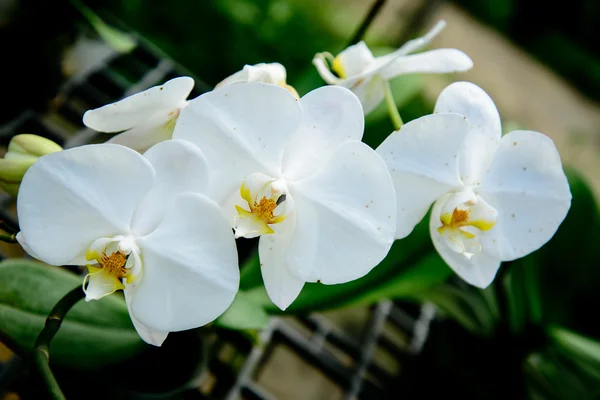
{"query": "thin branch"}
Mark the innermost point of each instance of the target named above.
(360, 32)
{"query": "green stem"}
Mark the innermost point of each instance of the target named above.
(8, 237)
(41, 354)
(391, 106)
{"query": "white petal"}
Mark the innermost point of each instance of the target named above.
(144, 136)
(479, 270)
(138, 108)
(150, 336)
(330, 116)
(419, 43)
(471, 101)
(423, 159)
(320, 63)
(273, 73)
(354, 60)
(240, 128)
(369, 90)
(190, 273)
(528, 187)
(180, 167)
(438, 61)
(334, 111)
(346, 217)
(98, 284)
(282, 286)
(70, 198)
(468, 99)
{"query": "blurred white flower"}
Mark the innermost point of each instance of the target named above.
(273, 73)
(496, 198)
(367, 75)
(146, 118)
(140, 224)
(296, 173)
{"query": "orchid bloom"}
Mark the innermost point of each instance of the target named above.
(495, 198)
(367, 75)
(146, 118)
(295, 173)
(273, 73)
(141, 225)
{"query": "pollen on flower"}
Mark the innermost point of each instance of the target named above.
(262, 212)
(114, 264)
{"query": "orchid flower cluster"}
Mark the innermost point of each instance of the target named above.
(156, 210)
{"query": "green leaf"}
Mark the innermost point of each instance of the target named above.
(245, 313)
(119, 41)
(576, 346)
(465, 305)
(250, 276)
(93, 334)
(428, 272)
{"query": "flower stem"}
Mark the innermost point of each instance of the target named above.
(391, 106)
(366, 22)
(8, 237)
(42, 344)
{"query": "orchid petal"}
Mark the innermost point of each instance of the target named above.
(422, 158)
(138, 108)
(240, 128)
(150, 336)
(319, 61)
(190, 273)
(369, 89)
(471, 101)
(282, 286)
(331, 115)
(527, 186)
(346, 217)
(144, 136)
(180, 167)
(70, 198)
(479, 270)
(273, 73)
(439, 61)
(99, 283)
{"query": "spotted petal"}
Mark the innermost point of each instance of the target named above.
(423, 161)
(528, 187)
(345, 217)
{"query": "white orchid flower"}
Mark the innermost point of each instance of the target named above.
(135, 222)
(273, 73)
(146, 118)
(296, 173)
(367, 75)
(495, 198)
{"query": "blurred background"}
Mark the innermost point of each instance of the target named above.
(533, 334)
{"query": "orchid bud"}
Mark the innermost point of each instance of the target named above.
(23, 151)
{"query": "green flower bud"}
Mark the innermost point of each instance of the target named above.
(23, 151)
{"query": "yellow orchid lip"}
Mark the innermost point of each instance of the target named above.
(261, 213)
(110, 269)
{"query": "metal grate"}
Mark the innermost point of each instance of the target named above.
(239, 367)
